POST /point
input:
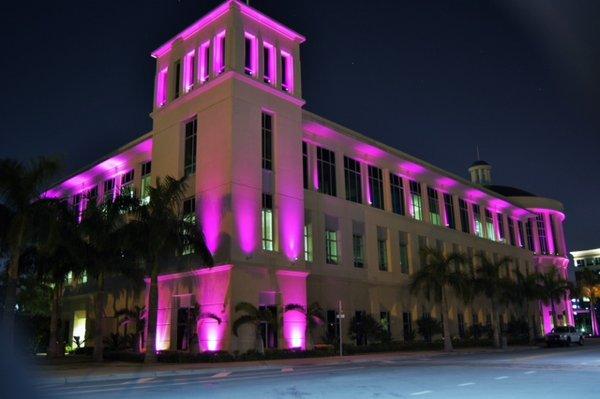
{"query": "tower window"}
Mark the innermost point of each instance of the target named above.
(189, 63)
(251, 54)
(220, 51)
(177, 79)
(267, 141)
(269, 63)
(161, 88)
(203, 59)
(287, 72)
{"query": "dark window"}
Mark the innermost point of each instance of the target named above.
(248, 44)
(555, 237)
(189, 167)
(177, 79)
(326, 171)
(267, 64)
(333, 326)
(397, 189)
(109, 189)
(403, 241)
(541, 227)
(359, 317)
(511, 231)
(416, 200)
(285, 84)
(461, 325)
(434, 206)
(521, 234)
(529, 235)
(449, 209)
(127, 177)
(464, 215)
(305, 164)
(92, 195)
(353, 180)
(376, 187)
(358, 250)
(267, 141)
(146, 168)
(407, 326)
(382, 254)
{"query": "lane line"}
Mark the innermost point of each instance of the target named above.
(144, 380)
(287, 370)
(530, 372)
(222, 374)
(502, 377)
(420, 393)
(466, 384)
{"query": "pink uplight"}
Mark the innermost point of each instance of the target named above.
(210, 205)
(292, 224)
(247, 224)
(446, 182)
(412, 168)
(369, 150)
(292, 285)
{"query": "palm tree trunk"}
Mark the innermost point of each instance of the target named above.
(10, 299)
(444, 306)
(98, 330)
(554, 316)
(530, 325)
(496, 322)
(53, 346)
(152, 316)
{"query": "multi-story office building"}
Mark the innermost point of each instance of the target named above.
(586, 315)
(294, 207)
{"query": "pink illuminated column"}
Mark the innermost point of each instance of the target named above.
(212, 293)
(163, 320)
(292, 285)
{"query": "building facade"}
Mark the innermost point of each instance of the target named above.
(295, 208)
(586, 315)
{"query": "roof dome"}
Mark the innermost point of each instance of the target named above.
(479, 163)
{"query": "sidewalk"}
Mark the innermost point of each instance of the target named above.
(87, 371)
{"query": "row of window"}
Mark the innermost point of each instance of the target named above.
(595, 261)
(194, 68)
(486, 223)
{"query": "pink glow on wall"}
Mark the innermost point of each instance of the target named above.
(446, 182)
(475, 194)
(369, 150)
(411, 168)
(163, 321)
(219, 53)
(268, 22)
(247, 223)
(188, 71)
(292, 285)
(212, 293)
(291, 227)
(498, 205)
(161, 87)
(271, 70)
(211, 214)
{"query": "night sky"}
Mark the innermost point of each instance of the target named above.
(518, 78)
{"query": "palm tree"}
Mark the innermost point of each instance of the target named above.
(135, 317)
(438, 277)
(490, 284)
(588, 282)
(106, 253)
(554, 289)
(315, 317)
(159, 232)
(21, 194)
(59, 253)
(256, 317)
(526, 289)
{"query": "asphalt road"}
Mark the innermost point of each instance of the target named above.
(538, 373)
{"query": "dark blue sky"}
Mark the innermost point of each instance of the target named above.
(519, 78)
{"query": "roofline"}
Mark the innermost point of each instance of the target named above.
(98, 161)
(220, 11)
(584, 252)
(394, 151)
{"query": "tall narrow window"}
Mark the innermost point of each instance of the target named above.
(251, 54)
(326, 171)
(305, 164)
(287, 72)
(521, 234)
(127, 188)
(177, 79)
(267, 141)
(434, 206)
(511, 231)
(529, 234)
(464, 216)
(189, 72)
(403, 241)
(109, 190)
(77, 205)
(219, 53)
(269, 63)
(353, 180)
(416, 200)
(478, 220)
(189, 166)
(146, 181)
(555, 237)
(92, 196)
(331, 247)
(203, 59)
(422, 244)
(382, 253)
(397, 189)
(267, 222)
(449, 210)
(189, 217)
(358, 250)
(162, 87)
(308, 241)
(376, 187)
(489, 225)
(541, 227)
(501, 233)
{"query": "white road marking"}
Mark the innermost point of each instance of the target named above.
(466, 384)
(502, 377)
(530, 372)
(221, 374)
(287, 370)
(144, 380)
(388, 362)
(420, 393)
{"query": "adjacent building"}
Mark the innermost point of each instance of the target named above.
(296, 208)
(586, 315)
